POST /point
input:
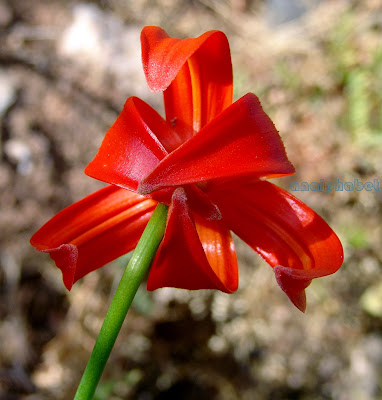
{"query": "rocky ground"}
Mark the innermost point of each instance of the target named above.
(66, 69)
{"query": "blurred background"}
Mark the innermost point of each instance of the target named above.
(66, 68)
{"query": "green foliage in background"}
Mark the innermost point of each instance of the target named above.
(359, 76)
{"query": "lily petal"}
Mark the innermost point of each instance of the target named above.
(130, 149)
(289, 235)
(241, 141)
(220, 251)
(94, 231)
(196, 75)
(181, 260)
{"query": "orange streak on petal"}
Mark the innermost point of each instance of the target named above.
(196, 85)
(82, 216)
(286, 236)
(220, 251)
(178, 105)
(140, 208)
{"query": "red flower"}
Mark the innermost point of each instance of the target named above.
(208, 161)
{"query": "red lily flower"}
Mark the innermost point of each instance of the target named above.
(208, 160)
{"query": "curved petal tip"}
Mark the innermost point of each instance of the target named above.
(164, 56)
(293, 285)
(65, 257)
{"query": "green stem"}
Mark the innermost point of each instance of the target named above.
(135, 271)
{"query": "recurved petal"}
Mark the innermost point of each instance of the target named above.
(289, 235)
(241, 141)
(131, 149)
(94, 231)
(163, 56)
(190, 257)
(196, 75)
